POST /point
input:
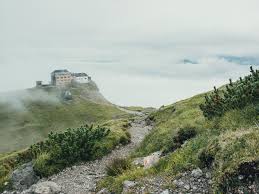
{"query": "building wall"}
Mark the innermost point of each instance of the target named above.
(83, 79)
(63, 79)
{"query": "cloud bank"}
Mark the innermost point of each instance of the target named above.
(133, 49)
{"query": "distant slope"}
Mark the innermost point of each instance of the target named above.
(28, 116)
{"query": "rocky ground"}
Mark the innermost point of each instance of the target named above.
(195, 181)
(82, 178)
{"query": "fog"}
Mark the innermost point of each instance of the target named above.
(135, 50)
(17, 100)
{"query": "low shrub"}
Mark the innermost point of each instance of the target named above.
(66, 148)
(206, 158)
(208, 153)
(125, 139)
(118, 166)
(236, 95)
(182, 135)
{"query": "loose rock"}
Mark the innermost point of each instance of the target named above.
(47, 187)
(193, 182)
(165, 192)
(138, 161)
(197, 173)
(103, 191)
(128, 186)
(152, 159)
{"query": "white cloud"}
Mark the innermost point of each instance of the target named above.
(129, 47)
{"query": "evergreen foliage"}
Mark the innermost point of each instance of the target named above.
(178, 140)
(236, 96)
(71, 146)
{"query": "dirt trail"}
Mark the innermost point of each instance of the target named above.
(82, 179)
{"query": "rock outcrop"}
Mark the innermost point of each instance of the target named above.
(23, 177)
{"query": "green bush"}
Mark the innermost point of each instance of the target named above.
(236, 96)
(66, 148)
(206, 158)
(118, 166)
(182, 135)
(125, 139)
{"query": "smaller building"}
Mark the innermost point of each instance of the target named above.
(38, 84)
(81, 78)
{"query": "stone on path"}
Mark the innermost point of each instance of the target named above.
(152, 159)
(128, 185)
(165, 192)
(103, 191)
(138, 161)
(46, 187)
(197, 173)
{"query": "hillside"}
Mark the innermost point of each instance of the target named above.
(225, 146)
(205, 144)
(28, 116)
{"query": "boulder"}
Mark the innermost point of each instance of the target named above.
(152, 159)
(23, 177)
(46, 187)
(197, 173)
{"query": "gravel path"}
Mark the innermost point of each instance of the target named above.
(82, 179)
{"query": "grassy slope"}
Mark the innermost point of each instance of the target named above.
(231, 140)
(43, 111)
(21, 128)
(118, 135)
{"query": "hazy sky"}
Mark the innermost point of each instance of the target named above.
(133, 49)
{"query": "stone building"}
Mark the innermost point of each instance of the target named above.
(61, 77)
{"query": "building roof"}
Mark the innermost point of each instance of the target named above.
(79, 75)
(60, 71)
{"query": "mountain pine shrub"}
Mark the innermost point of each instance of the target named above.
(64, 149)
(236, 96)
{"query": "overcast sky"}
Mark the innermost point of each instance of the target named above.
(133, 49)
